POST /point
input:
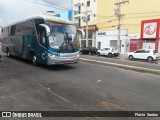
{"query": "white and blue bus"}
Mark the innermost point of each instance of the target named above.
(44, 39)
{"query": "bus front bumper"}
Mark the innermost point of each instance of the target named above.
(53, 60)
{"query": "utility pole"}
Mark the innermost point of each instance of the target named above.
(86, 26)
(86, 20)
(118, 13)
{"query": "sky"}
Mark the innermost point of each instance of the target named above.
(14, 10)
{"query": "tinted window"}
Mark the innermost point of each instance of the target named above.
(140, 51)
(147, 51)
(88, 17)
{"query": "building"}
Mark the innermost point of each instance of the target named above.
(85, 12)
(104, 18)
(108, 38)
(134, 42)
(65, 15)
(150, 34)
(132, 14)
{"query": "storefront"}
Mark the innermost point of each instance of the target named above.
(91, 36)
(109, 38)
(150, 34)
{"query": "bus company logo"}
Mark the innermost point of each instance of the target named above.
(150, 30)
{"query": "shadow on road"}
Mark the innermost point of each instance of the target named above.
(42, 66)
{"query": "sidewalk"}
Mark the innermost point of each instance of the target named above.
(125, 57)
(123, 62)
(122, 57)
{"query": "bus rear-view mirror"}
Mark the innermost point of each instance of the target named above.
(46, 28)
(82, 32)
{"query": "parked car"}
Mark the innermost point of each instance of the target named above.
(147, 54)
(110, 52)
(88, 50)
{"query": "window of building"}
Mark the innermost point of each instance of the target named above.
(94, 15)
(89, 34)
(88, 3)
(88, 17)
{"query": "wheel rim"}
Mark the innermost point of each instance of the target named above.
(130, 57)
(150, 59)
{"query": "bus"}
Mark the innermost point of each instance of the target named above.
(42, 38)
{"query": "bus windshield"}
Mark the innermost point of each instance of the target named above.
(62, 35)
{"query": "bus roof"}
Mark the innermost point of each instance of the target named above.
(46, 17)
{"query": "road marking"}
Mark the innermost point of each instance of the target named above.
(63, 99)
(60, 97)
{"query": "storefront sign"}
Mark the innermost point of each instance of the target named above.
(90, 28)
(101, 34)
(149, 30)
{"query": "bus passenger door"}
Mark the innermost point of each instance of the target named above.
(42, 56)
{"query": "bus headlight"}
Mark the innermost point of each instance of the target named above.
(51, 55)
(77, 55)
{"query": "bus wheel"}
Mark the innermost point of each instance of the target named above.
(34, 60)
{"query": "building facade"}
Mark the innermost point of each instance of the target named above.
(65, 15)
(103, 18)
(85, 12)
(132, 14)
(150, 34)
(105, 39)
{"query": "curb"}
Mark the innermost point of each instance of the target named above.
(139, 69)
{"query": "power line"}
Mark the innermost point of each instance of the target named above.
(57, 5)
(42, 4)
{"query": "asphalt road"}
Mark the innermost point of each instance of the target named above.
(79, 87)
